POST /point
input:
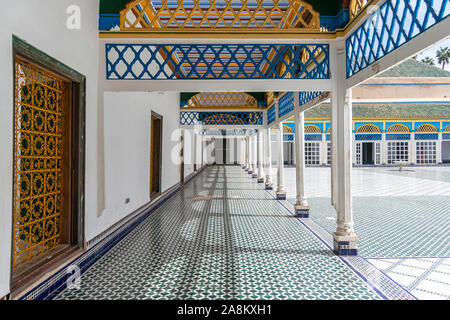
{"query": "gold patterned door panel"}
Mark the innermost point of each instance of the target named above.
(38, 162)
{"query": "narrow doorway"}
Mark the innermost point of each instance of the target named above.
(48, 164)
(225, 146)
(367, 153)
(155, 155)
(446, 151)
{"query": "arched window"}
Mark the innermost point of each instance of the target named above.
(398, 128)
(368, 128)
(427, 128)
(311, 129)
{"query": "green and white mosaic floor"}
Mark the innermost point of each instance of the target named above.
(221, 237)
(396, 214)
(401, 217)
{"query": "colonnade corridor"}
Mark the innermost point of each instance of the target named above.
(222, 237)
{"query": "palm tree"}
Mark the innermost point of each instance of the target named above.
(428, 60)
(443, 56)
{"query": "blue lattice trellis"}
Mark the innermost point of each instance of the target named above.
(288, 137)
(216, 61)
(426, 136)
(306, 96)
(446, 136)
(189, 118)
(398, 136)
(221, 118)
(271, 115)
(367, 137)
(286, 104)
(392, 25)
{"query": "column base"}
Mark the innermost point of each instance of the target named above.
(249, 171)
(269, 186)
(254, 175)
(281, 195)
(260, 180)
(345, 245)
(301, 211)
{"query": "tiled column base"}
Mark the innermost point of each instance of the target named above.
(260, 180)
(269, 186)
(281, 195)
(302, 211)
(345, 246)
(254, 175)
(249, 171)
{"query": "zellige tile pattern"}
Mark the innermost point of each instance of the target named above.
(203, 245)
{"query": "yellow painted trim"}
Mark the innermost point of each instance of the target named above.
(232, 34)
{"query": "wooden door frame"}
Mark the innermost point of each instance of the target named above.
(160, 118)
(77, 84)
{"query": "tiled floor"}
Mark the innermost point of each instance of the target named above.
(224, 237)
(403, 215)
(425, 278)
(221, 237)
(396, 214)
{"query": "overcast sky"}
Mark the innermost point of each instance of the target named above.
(432, 52)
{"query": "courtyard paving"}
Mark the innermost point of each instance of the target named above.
(402, 218)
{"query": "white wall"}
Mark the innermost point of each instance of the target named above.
(127, 152)
(42, 23)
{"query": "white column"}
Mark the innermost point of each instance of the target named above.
(301, 206)
(250, 154)
(281, 191)
(260, 157)
(241, 158)
(255, 155)
(247, 146)
(412, 151)
(202, 149)
(196, 149)
(345, 238)
(244, 140)
(383, 150)
(439, 148)
(268, 143)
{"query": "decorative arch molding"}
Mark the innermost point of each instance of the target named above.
(312, 129)
(427, 128)
(368, 128)
(398, 128)
(222, 100)
(447, 128)
(228, 15)
(287, 129)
